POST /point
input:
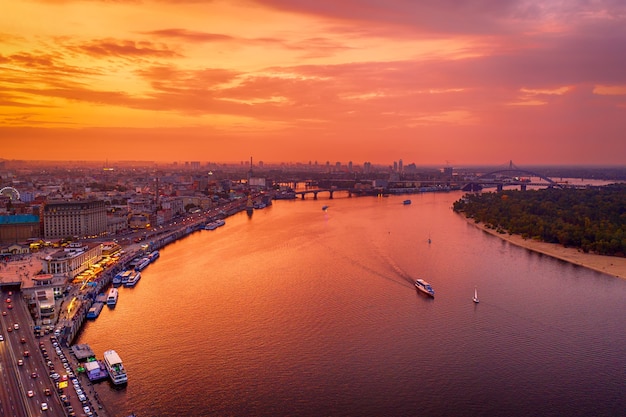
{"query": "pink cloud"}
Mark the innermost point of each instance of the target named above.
(124, 48)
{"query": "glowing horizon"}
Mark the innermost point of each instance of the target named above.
(426, 82)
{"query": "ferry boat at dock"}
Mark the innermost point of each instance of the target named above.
(125, 276)
(115, 367)
(154, 255)
(424, 287)
(95, 310)
(211, 226)
(117, 279)
(112, 297)
(133, 279)
(142, 264)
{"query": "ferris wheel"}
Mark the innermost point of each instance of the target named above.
(11, 193)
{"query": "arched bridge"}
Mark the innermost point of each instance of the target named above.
(511, 176)
(317, 191)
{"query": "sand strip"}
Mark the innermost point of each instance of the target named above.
(610, 265)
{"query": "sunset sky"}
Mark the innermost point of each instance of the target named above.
(426, 81)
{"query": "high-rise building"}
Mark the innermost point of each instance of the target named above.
(74, 219)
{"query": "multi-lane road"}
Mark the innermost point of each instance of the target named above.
(26, 389)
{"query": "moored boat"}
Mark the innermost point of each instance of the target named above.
(143, 263)
(154, 255)
(133, 279)
(211, 226)
(424, 287)
(115, 367)
(117, 280)
(406, 202)
(112, 297)
(95, 310)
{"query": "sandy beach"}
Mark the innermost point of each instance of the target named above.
(610, 265)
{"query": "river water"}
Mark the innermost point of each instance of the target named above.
(298, 311)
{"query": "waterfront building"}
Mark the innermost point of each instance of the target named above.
(141, 205)
(85, 218)
(175, 205)
(139, 221)
(14, 249)
(19, 228)
(45, 303)
(72, 260)
(116, 224)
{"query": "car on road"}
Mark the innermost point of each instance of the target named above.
(47, 392)
(8, 300)
(16, 326)
(23, 340)
(33, 375)
(9, 329)
(4, 313)
(1, 338)
(20, 362)
(26, 353)
(30, 393)
(10, 306)
(44, 406)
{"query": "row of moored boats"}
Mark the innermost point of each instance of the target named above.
(126, 278)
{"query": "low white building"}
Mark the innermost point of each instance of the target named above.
(72, 260)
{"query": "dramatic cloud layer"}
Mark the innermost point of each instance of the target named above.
(469, 81)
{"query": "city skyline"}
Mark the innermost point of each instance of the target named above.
(431, 83)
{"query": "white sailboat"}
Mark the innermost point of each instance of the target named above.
(475, 296)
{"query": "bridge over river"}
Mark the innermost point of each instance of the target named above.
(512, 176)
(508, 176)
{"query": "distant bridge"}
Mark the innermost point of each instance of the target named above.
(330, 191)
(509, 177)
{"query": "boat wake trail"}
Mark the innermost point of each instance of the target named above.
(372, 271)
(393, 266)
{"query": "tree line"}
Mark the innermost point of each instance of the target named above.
(592, 219)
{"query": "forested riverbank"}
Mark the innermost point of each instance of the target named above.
(591, 219)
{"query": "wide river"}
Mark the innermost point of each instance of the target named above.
(298, 311)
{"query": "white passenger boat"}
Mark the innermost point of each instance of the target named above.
(126, 275)
(133, 279)
(424, 287)
(112, 297)
(143, 263)
(115, 367)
